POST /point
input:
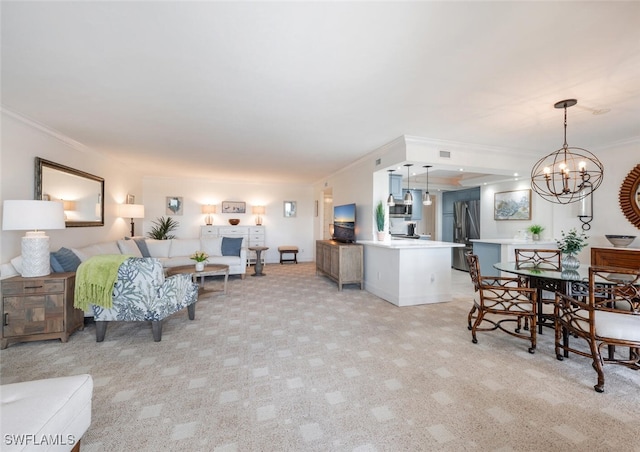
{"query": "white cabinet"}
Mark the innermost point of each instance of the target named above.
(252, 235)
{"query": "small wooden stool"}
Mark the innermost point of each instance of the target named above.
(288, 250)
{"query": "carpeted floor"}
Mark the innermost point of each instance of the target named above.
(286, 362)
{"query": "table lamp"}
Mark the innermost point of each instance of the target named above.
(34, 217)
(258, 210)
(208, 209)
(131, 211)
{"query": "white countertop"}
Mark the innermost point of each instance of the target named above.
(410, 244)
(514, 241)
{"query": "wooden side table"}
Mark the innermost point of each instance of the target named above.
(258, 266)
(39, 308)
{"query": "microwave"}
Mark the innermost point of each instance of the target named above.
(400, 210)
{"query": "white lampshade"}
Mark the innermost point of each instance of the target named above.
(131, 210)
(25, 215)
(35, 217)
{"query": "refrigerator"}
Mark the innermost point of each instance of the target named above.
(466, 226)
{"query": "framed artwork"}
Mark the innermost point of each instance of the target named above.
(512, 205)
(316, 208)
(131, 199)
(234, 207)
(290, 209)
(174, 205)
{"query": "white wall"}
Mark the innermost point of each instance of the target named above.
(196, 192)
(22, 142)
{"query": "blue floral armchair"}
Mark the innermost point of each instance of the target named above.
(142, 293)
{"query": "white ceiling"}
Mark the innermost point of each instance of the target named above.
(294, 91)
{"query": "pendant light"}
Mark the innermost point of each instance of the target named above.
(408, 197)
(568, 174)
(390, 201)
(426, 197)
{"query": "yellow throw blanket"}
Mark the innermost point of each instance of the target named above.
(95, 279)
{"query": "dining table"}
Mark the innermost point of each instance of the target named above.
(574, 283)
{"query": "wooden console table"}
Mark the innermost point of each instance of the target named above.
(341, 262)
(616, 257)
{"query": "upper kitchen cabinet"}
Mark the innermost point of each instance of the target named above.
(395, 186)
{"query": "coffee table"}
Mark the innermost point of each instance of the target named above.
(209, 270)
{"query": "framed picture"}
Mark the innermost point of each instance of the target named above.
(131, 199)
(512, 205)
(316, 208)
(174, 205)
(234, 207)
(290, 209)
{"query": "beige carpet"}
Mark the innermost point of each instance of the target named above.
(287, 363)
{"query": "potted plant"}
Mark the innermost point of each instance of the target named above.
(536, 230)
(570, 244)
(200, 257)
(380, 220)
(162, 229)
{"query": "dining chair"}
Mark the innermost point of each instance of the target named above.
(504, 300)
(541, 259)
(608, 315)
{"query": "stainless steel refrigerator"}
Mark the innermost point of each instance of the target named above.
(466, 226)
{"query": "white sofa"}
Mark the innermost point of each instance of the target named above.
(46, 415)
(171, 253)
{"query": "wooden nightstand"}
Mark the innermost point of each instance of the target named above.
(39, 308)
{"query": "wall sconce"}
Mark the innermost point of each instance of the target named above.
(131, 211)
(208, 209)
(258, 210)
(34, 217)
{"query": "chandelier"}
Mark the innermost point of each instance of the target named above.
(568, 174)
(390, 201)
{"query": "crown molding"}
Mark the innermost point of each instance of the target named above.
(47, 130)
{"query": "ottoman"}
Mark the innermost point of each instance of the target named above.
(50, 414)
(288, 250)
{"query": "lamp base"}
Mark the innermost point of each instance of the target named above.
(35, 254)
(258, 221)
(208, 220)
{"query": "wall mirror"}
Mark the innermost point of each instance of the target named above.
(630, 196)
(82, 194)
(290, 209)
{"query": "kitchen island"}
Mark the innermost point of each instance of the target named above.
(408, 272)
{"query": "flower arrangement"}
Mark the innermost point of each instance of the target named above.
(200, 256)
(572, 242)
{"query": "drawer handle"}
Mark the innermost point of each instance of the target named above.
(33, 287)
(5, 320)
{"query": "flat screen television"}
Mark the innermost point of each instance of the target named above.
(344, 223)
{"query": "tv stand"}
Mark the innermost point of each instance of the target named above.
(341, 262)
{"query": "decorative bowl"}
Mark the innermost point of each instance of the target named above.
(620, 241)
(236, 221)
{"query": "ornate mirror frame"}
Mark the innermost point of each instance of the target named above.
(82, 193)
(630, 196)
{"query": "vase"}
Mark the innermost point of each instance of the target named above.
(199, 266)
(570, 262)
(535, 237)
(381, 235)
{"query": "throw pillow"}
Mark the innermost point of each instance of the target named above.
(231, 246)
(55, 265)
(142, 246)
(67, 259)
(129, 247)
